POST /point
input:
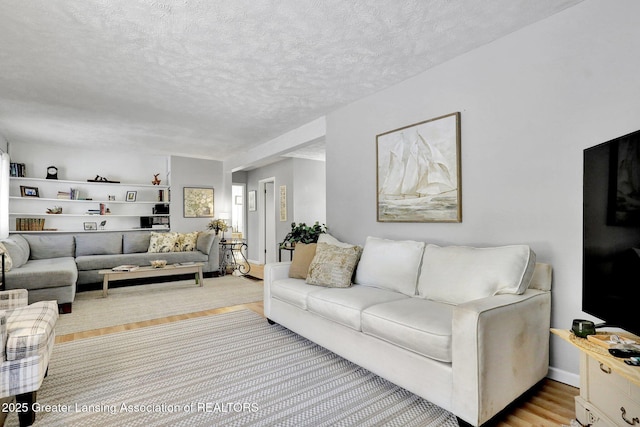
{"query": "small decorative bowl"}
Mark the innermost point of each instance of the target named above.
(159, 263)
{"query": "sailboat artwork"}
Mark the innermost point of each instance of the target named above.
(419, 172)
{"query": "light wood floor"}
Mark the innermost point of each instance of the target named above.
(550, 403)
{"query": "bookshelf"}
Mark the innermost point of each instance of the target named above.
(84, 204)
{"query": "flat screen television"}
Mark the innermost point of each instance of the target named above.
(611, 232)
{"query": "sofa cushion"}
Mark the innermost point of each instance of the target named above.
(457, 274)
(415, 324)
(344, 306)
(333, 266)
(98, 244)
(135, 242)
(292, 291)
(43, 273)
(378, 254)
(45, 246)
(302, 256)
(162, 242)
(18, 249)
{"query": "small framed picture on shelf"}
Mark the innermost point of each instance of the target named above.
(131, 196)
(29, 191)
(90, 226)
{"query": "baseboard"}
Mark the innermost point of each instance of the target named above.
(564, 377)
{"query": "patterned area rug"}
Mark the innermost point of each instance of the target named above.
(152, 301)
(231, 369)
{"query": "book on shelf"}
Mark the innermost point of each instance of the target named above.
(29, 224)
(17, 170)
(125, 268)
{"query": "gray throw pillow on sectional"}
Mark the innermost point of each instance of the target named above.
(98, 244)
(136, 242)
(50, 246)
(18, 249)
(205, 239)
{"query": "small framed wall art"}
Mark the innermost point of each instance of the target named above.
(29, 191)
(418, 172)
(252, 201)
(131, 196)
(198, 202)
(283, 203)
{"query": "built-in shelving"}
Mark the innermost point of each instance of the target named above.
(125, 204)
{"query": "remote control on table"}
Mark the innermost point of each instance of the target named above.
(625, 351)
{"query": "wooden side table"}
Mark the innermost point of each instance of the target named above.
(609, 388)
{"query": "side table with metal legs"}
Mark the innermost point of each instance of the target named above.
(230, 251)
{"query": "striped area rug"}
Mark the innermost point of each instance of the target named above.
(231, 369)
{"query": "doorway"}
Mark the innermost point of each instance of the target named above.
(267, 227)
(238, 214)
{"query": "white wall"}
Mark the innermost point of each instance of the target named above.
(81, 164)
(530, 103)
(282, 172)
(309, 191)
(306, 197)
(191, 172)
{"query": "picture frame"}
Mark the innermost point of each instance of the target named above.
(26, 191)
(252, 201)
(90, 226)
(238, 200)
(198, 202)
(131, 196)
(418, 172)
(283, 203)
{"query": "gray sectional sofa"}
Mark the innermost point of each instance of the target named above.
(52, 266)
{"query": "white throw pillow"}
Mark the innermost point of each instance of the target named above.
(330, 240)
(458, 274)
(390, 264)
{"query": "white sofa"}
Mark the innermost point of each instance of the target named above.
(465, 328)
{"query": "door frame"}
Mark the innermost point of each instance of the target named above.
(262, 215)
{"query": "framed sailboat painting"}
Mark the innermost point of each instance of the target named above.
(418, 174)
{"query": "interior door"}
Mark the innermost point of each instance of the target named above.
(270, 222)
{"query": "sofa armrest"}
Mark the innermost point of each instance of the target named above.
(273, 272)
(500, 349)
(13, 298)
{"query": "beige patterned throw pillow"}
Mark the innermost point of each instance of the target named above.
(186, 242)
(333, 266)
(7, 258)
(162, 242)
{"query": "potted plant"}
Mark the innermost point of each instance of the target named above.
(303, 233)
(218, 225)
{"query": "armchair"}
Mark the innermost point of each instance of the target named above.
(27, 336)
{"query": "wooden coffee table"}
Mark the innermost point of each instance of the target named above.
(169, 270)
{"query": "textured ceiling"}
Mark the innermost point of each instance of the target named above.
(215, 78)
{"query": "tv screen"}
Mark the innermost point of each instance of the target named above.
(611, 232)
